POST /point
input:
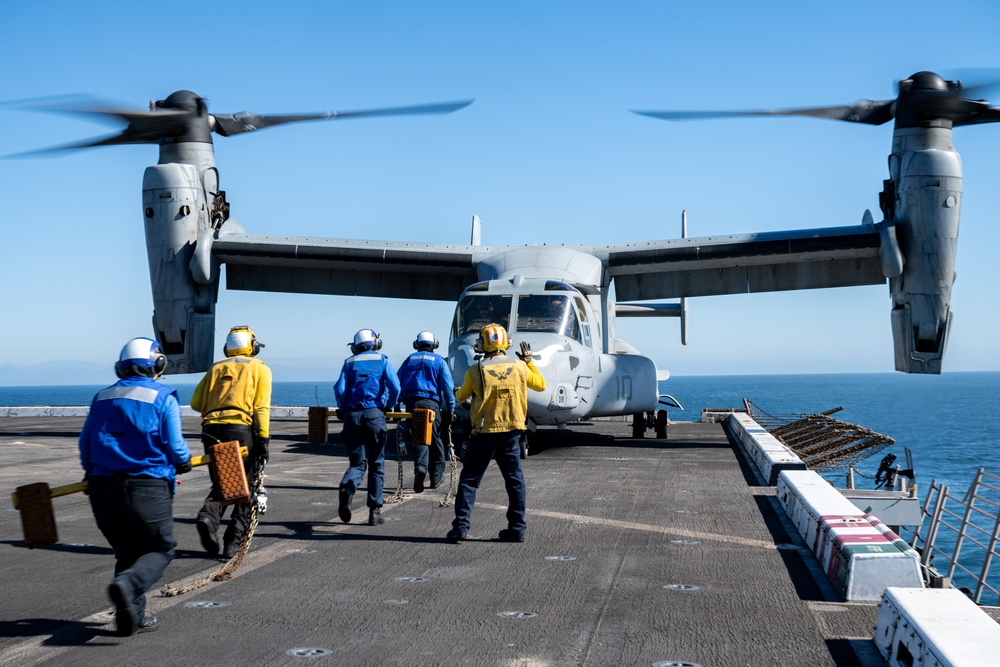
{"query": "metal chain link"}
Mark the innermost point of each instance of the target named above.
(225, 572)
(397, 497)
(452, 472)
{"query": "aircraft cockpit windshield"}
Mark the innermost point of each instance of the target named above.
(547, 313)
(475, 311)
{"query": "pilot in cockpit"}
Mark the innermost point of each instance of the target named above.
(556, 307)
(479, 311)
(558, 318)
(478, 315)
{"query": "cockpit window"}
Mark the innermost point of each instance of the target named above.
(547, 313)
(475, 311)
(581, 310)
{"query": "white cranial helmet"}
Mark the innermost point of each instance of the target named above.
(425, 339)
(366, 339)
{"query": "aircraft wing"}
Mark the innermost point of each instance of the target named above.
(347, 267)
(744, 263)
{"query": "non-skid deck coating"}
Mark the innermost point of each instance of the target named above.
(638, 552)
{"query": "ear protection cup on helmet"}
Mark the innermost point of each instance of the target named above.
(159, 363)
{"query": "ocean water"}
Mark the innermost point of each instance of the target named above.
(949, 422)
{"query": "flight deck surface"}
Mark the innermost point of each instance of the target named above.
(638, 552)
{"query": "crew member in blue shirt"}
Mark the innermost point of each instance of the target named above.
(425, 382)
(366, 389)
(131, 448)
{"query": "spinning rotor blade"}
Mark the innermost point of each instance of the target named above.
(870, 112)
(112, 140)
(142, 127)
(184, 116)
(924, 99)
(977, 83)
(986, 114)
(243, 121)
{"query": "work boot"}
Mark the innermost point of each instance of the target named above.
(510, 535)
(418, 480)
(230, 550)
(125, 611)
(148, 624)
(375, 517)
(455, 536)
(345, 505)
(209, 541)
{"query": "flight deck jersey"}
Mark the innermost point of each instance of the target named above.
(235, 391)
(498, 389)
(133, 427)
(426, 375)
(367, 380)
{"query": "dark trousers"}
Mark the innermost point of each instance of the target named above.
(213, 434)
(364, 436)
(136, 516)
(505, 449)
(431, 458)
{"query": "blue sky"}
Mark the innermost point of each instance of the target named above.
(548, 153)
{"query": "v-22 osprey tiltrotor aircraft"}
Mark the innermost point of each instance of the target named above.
(559, 298)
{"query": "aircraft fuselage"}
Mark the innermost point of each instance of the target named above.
(566, 326)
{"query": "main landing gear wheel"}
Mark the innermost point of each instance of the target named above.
(638, 425)
(661, 424)
(524, 445)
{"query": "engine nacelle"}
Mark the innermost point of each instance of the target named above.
(927, 173)
(175, 211)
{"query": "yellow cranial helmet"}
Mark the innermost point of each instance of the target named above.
(494, 338)
(241, 341)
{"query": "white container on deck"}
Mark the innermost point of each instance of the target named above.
(935, 627)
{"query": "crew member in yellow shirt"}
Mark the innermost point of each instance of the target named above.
(498, 386)
(234, 399)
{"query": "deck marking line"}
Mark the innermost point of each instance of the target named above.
(631, 525)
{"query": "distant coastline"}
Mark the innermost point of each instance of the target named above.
(82, 373)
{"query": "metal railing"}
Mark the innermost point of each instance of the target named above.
(973, 522)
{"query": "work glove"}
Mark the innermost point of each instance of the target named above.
(260, 448)
(339, 413)
(86, 489)
(525, 353)
(182, 468)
